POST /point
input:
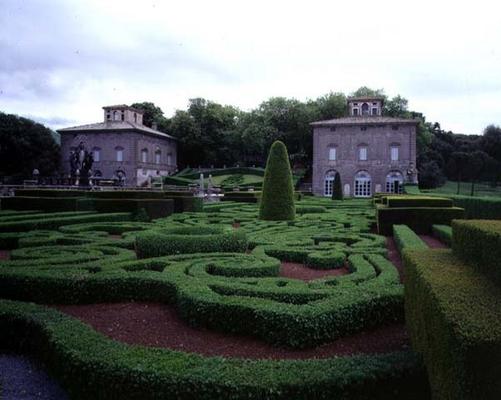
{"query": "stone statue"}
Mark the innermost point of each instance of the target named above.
(80, 164)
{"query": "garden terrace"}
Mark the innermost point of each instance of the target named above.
(219, 270)
(453, 311)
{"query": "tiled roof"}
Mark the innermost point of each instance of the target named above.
(367, 120)
(115, 126)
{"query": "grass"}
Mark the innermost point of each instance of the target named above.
(481, 189)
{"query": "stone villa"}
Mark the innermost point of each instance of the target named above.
(370, 151)
(122, 147)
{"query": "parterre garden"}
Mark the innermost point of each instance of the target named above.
(220, 268)
(222, 271)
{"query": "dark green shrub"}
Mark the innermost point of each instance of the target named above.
(453, 316)
(154, 208)
(189, 240)
(405, 238)
(443, 233)
(47, 204)
(418, 201)
(277, 199)
(326, 260)
(478, 243)
(419, 219)
(337, 188)
(92, 366)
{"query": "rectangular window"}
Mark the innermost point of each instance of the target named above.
(332, 154)
(394, 153)
(144, 156)
(157, 157)
(120, 155)
(355, 111)
(362, 153)
(97, 155)
(374, 111)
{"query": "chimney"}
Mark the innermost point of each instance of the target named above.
(154, 126)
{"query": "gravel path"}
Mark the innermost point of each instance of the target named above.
(158, 325)
(22, 379)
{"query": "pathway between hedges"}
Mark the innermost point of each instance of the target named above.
(22, 379)
(158, 325)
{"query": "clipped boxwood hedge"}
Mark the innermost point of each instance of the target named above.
(443, 233)
(478, 243)
(453, 314)
(405, 238)
(419, 219)
(418, 201)
(91, 366)
(186, 240)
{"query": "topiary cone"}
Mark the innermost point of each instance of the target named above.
(277, 198)
(337, 189)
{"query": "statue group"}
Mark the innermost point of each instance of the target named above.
(81, 162)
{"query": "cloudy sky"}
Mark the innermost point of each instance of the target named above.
(62, 60)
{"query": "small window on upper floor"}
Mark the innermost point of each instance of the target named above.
(332, 153)
(144, 155)
(394, 153)
(363, 128)
(123, 115)
(355, 111)
(362, 153)
(108, 116)
(96, 154)
(158, 157)
(365, 109)
(333, 129)
(374, 110)
(135, 117)
(119, 154)
(116, 116)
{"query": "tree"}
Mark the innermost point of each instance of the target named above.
(430, 175)
(26, 145)
(337, 188)
(477, 162)
(277, 197)
(152, 114)
(457, 166)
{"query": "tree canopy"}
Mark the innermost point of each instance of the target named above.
(26, 145)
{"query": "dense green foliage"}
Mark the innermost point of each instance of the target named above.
(478, 243)
(454, 319)
(337, 188)
(277, 197)
(224, 285)
(443, 233)
(153, 204)
(96, 261)
(405, 238)
(26, 145)
(90, 365)
(417, 212)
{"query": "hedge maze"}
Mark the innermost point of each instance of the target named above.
(221, 270)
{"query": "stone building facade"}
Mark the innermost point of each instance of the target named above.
(370, 151)
(122, 147)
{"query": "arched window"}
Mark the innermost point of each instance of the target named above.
(332, 153)
(144, 155)
(158, 156)
(119, 153)
(363, 184)
(394, 182)
(329, 182)
(365, 109)
(96, 154)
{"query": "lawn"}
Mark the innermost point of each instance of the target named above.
(481, 189)
(213, 304)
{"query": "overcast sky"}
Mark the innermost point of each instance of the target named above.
(62, 60)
